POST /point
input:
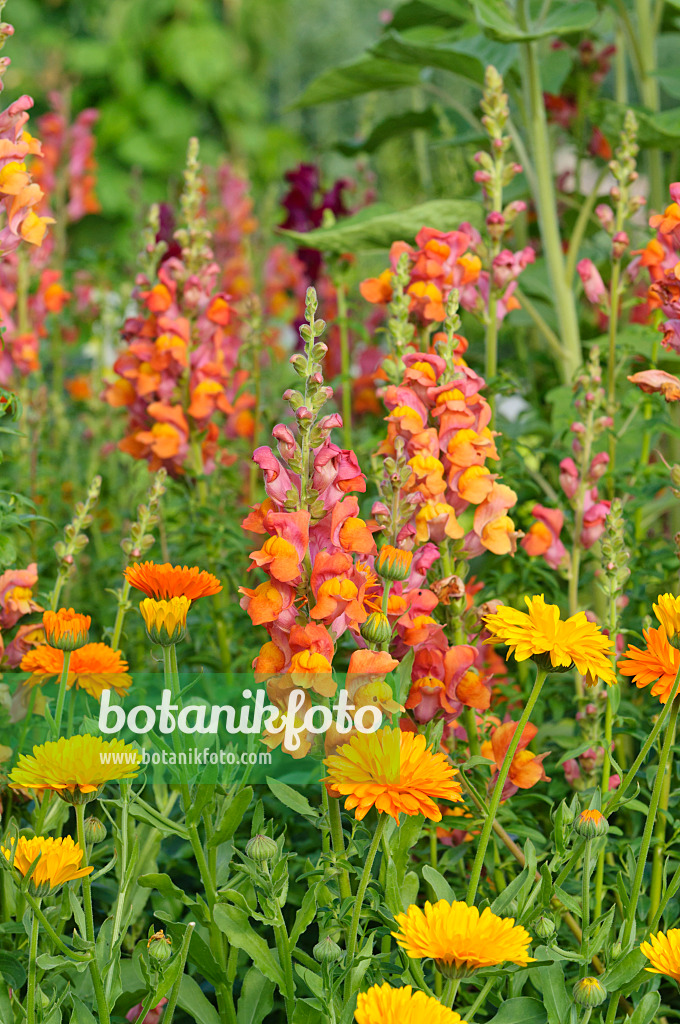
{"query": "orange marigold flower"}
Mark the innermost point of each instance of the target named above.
(658, 664)
(383, 1004)
(393, 563)
(394, 772)
(166, 581)
(663, 953)
(66, 629)
(93, 668)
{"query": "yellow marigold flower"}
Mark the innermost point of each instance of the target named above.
(60, 861)
(667, 612)
(76, 768)
(383, 1004)
(554, 644)
(394, 772)
(663, 953)
(66, 629)
(93, 668)
(165, 621)
(459, 939)
(166, 581)
(657, 664)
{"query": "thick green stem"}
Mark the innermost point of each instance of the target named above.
(649, 824)
(547, 211)
(450, 992)
(61, 696)
(32, 971)
(361, 892)
(649, 89)
(480, 1000)
(660, 834)
(585, 907)
(285, 959)
(102, 1006)
(476, 872)
(470, 723)
(335, 818)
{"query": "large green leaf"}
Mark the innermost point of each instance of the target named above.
(232, 817)
(645, 1011)
(192, 1000)
(256, 999)
(235, 925)
(81, 1014)
(520, 1011)
(622, 975)
(356, 77)
(442, 889)
(165, 885)
(286, 794)
(497, 20)
(389, 128)
(550, 982)
(467, 57)
(363, 231)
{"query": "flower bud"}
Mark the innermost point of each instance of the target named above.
(159, 946)
(66, 630)
(590, 824)
(165, 621)
(393, 563)
(376, 629)
(589, 992)
(617, 950)
(95, 831)
(261, 849)
(326, 951)
(544, 927)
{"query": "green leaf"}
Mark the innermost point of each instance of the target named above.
(620, 976)
(389, 128)
(304, 916)
(307, 1012)
(256, 999)
(467, 58)
(204, 794)
(550, 982)
(363, 231)
(570, 902)
(166, 887)
(199, 951)
(8, 551)
(645, 1011)
(442, 889)
(503, 901)
(192, 1000)
(496, 18)
(520, 1011)
(291, 798)
(356, 77)
(235, 925)
(232, 817)
(81, 1014)
(12, 971)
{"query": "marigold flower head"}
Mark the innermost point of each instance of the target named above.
(394, 772)
(59, 862)
(165, 621)
(383, 1004)
(591, 823)
(66, 629)
(393, 563)
(459, 939)
(663, 953)
(554, 644)
(667, 612)
(166, 581)
(76, 768)
(658, 664)
(93, 668)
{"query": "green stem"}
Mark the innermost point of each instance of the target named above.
(670, 892)
(32, 971)
(547, 211)
(361, 892)
(612, 1008)
(450, 992)
(174, 993)
(102, 1006)
(649, 90)
(120, 616)
(480, 1000)
(553, 341)
(124, 881)
(585, 907)
(171, 675)
(345, 365)
(285, 959)
(604, 789)
(61, 695)
(335, 818)
(147, 1005)
(500, 783)
(660, 834)
(649, 824)
(470, 723)
(579, 229)
(34, 904)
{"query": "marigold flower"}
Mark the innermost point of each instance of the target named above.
(60, 861)
(66, 629)
(591, 823)
(459, 939)
(394, 772)
(76, 768)
(166, 581)
(552, 642)
(165, 621)
(667, 612)
(663, 953)
(393, 563)
(658, 664)
(383, 1004)
(93, 668)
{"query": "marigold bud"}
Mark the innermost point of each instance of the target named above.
(66, 630)
(261, 849)
(159, 946)
(590, 824)
(589, 992)
(545, 927)
(376, 629)
(165, 621)
(327, 951)
(393, 564)
(95, 830)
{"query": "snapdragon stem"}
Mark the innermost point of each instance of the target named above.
(476, 872)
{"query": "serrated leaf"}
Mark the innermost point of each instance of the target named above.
(363, 232)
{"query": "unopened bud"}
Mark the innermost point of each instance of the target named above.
(159, 946)
(590, 824)
(376, 629)
(261, 849)
(326, 951)
(589, 992)
(545, 927)
(94, 830)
